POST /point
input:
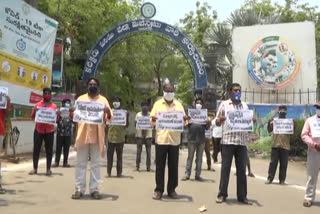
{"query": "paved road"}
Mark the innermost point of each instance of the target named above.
(132, 193)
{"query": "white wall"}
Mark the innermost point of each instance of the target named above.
(300, 36)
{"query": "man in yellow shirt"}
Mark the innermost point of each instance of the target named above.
(167, 144)
(90, 143)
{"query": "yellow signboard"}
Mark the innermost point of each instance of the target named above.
(22, 72)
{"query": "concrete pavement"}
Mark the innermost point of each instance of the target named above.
(132, 193)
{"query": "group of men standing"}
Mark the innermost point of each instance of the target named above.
(90, 144)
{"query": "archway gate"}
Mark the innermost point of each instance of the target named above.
(106, 41)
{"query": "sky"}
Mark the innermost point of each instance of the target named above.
(170, 11)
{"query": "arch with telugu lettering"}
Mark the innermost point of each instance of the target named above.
(106, 41)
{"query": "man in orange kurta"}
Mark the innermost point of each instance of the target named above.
(90, 143)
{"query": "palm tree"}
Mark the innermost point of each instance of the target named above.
(219, 42)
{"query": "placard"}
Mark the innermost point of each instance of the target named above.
(282, 126)
(3, 99)
(64, 112)
(88, 112)
(119, 118)
(170, 120)
(199, 116)
(240, 120)
(143, 122)
(46, 115)
(315, 128)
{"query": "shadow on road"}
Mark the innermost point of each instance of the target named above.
(181, 198)
(232, 201)
(106, 197)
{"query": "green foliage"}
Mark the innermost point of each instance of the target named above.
(297, 146)
(263, 145)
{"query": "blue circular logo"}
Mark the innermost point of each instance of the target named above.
(21, 45)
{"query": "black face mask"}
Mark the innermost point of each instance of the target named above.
(282, 114)
(92, 89)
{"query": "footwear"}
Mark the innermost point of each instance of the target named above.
(55, 165)
(307, 203)
(77, 195)
(250, 174)
(268, 182)
(33, 172)
(148, 169)
(198, 178)
(173, 195)
(2, 191)
(185, 178)
(209, 167)
(119, 175)
(49, 172)
(96, 195)
(282, 183)
(220, 199)
(157, 195)
(137, 169)
(66, 165)
(245, 201)
(109, 174)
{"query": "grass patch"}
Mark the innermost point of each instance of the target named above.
(262, 146)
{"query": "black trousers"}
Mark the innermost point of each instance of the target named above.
(37, 143)
(118, 147)
(207, 151)
(216, 148)
(62, 142)
(147, 143)
(162, 152)
(278, 155)
(240, 154)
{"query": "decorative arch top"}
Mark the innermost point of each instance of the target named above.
(105, 42)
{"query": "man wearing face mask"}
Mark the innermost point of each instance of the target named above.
(90, 142)
(310, 135)
(43, 131)
(196, 145)
(143, 136)
(116, 139)
(280, 150)
(63, 135)
(167, 145)
(233, 143)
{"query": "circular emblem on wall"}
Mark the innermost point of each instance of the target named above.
(148, 10)
(21, 45)
(273, 62)
(5, 65)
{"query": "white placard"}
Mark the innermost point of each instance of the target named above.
(119, 118)
(3, 99)
(64, 112)
(208, 133)
(282, 126)
(88, 112)
(240, 120)
(46, 115)
(199, 116)
(315, 128)
(170, 120)
(143, 122)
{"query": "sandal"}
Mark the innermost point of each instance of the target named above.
(2, 191)
(77, 195)
(307, 203)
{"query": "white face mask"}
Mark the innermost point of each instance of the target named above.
(198, 106)
(168, 96)
(318, 112)
(116, 104)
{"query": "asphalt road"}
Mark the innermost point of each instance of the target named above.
(133, 192)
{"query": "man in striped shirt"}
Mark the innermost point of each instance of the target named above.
(233, 143)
